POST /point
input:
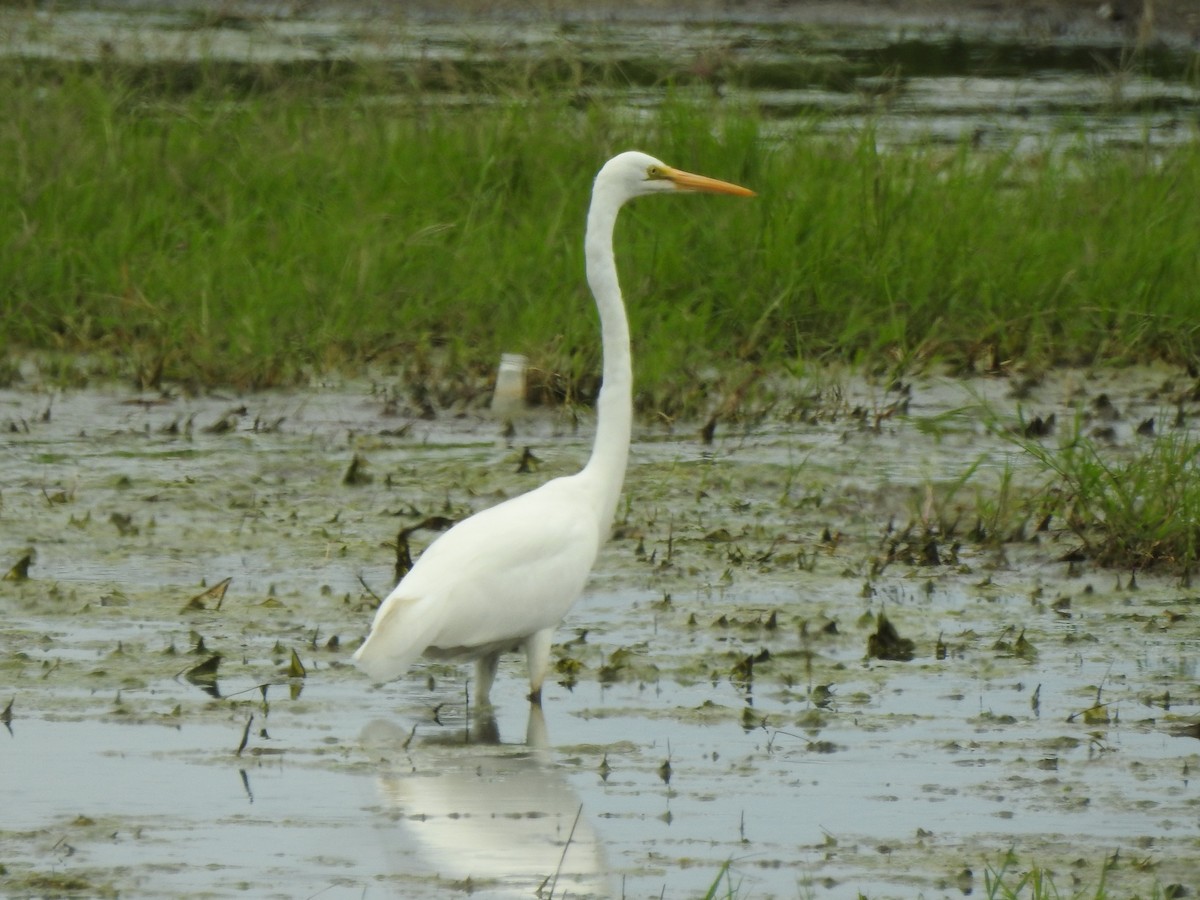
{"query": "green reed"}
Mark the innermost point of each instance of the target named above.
(255, 226)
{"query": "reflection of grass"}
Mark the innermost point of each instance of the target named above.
(254, 224)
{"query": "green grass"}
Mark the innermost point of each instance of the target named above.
(1008, 881)
(722, 886)
(1134, 506)
(1132, 510)
(1033, 884)
(256, 227)
(1036, 883)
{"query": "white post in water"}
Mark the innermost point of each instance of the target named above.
(508, 399)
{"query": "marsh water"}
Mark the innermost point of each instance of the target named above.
(713, 699)
(1025, 82)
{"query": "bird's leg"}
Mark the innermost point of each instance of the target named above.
(484, 728)
(485, 674)
(537, 655)
(537, 737)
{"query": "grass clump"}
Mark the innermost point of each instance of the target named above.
(1133, 511)
(1037, 883)
(722, 887)
(257, 225)
(1005, 882)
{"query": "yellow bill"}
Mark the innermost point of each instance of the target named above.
(686, 181)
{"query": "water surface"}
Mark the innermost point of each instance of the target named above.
(661, 755)
(1004, 84)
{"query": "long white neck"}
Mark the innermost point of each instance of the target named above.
(605, 471)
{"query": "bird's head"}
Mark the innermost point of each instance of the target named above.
(632, 174)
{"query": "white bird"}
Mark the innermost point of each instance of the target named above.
(505, 577)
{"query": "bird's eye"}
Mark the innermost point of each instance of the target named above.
(655, 173)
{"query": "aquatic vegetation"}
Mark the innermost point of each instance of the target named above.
(723, 885)
(886, 643)
(1012, 881)
(1130, 508)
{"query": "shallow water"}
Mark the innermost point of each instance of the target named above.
(944, 79)
(121, 774)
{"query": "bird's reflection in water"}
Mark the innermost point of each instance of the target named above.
(497, 814)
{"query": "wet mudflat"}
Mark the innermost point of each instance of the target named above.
(714, 697)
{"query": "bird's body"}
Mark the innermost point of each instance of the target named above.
(504, 578)
(544, 561)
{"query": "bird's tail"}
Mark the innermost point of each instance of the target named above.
(402, 629)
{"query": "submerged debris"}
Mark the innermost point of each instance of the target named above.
(528, 464)
(1039, 427)
(124, 524)
(664, 771)
(214, 593)
(1189, 729)
(1020, 648)
(204, 675)
(821, 695)
(743, 670)
(227, 422)
(245, 736)
(1093, 715)
(356, 472)
(569, 668)
(404, 560)
(886, 642)
(295, 667)
(1104, 409)
(20, 569)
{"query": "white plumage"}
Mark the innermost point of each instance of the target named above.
(504, 578)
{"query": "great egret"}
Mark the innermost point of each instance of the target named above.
(504, 578)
